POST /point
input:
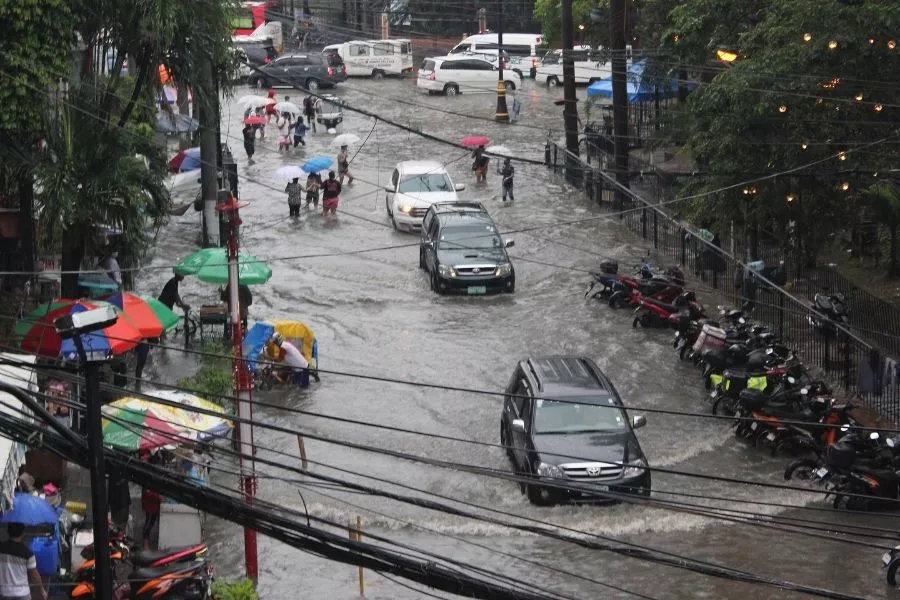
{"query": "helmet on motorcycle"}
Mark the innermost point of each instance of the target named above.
(277, 339)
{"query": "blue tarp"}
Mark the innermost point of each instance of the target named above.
(255, 342)
(177, 123)
(638, 90)
(191, 160)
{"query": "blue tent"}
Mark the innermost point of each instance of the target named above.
(638, 90)
(177, 123)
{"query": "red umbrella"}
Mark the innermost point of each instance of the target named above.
(255, 120)
(473, 141)
(38, 335)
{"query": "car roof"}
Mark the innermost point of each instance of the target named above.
(568, 375)
(534, 38)
(462, 56)
(420, 167)
(460, 208)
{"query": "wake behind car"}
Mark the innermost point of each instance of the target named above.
(309, 71)
(462, 252)
(564, 428)
(416, 185)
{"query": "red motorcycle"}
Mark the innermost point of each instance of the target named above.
(664, 288)
(655, 313)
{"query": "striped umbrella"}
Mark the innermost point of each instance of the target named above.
(36, 332)
(150, 316)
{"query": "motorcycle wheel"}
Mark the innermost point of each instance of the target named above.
(682, 353)
(724, 405)
(802, 470)
(892, 572)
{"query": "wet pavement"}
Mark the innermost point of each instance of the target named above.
(373, 313)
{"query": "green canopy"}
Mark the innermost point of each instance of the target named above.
(211, 265)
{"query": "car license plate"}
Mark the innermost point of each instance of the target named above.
(475, 290)
(595, 489)
(770, 437)
(886, 558)
(822, 472)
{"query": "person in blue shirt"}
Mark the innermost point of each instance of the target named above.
(300, 130)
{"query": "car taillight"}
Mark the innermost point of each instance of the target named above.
(267, 60)
(431, 76)
(534, 62)
(330, 71)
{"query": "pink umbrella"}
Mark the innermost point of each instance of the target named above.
(473, 141)
(255, 120)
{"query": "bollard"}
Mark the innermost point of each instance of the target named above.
(356, 536)
(302, 447)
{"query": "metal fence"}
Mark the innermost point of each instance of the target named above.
(857, 367)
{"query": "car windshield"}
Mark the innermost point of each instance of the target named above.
(481, 237)
(426, 182)
(571, 416)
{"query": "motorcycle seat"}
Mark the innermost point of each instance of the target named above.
(669, 307)
(147, 573)
(147, 557)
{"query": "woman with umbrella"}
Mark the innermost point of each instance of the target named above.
(343, 161)
(249, 140)
(480, 164)
(294, 196)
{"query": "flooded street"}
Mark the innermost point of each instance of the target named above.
(355, 281)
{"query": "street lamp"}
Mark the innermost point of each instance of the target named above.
(74, 327)
(502, 113)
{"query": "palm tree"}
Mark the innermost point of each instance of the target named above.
(884, 198)
(93, 172)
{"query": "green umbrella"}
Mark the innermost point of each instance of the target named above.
(211, 265)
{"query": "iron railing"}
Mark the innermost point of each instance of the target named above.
(844, 357)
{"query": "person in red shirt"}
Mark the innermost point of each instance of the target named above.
(270, 107)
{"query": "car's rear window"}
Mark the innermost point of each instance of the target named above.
(334, 59)
(428, 65)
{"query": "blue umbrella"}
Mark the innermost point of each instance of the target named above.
(638, 89)
(30, 510)
(317, 163)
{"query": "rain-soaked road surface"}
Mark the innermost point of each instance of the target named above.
(373, 314)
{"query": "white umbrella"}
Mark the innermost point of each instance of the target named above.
(253, 101)
(288, 107)
(288, 173)
(345, 139)
(499, 150)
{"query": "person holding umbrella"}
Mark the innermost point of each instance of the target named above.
(343, 161)
(249, 140)
(313, 184)
(295, 197)
(507, 172)
(480, 164)
(19, 567)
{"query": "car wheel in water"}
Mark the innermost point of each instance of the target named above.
(510, 86)
(892, 572)
(377, 74)
(312, 85)
(552, 82)
(451, 89)
(436, 283)
(504, 441)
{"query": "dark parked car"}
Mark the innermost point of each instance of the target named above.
(258, 53)
(462, 252)
(309, 71)
(563, 424)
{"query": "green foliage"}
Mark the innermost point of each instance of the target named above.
(549, 14)
(752, 119)
(242, 589)
(884, 200)
(214, 379)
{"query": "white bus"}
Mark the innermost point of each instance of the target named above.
(590, 65)
(520, 49)
(374, 58)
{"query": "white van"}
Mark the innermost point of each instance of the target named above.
(374, 58)
(590, 65)
(521, 49)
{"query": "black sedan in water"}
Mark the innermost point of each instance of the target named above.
(566, 432)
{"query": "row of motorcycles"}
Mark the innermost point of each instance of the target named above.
(750, 375)
(183, 573)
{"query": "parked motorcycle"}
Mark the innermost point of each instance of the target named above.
(891, 561)
(828, 311)
(607, 280)
(654, 313)
(664, 288)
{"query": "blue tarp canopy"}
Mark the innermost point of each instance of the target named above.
(255, 342)
(171, 124)
(638, 89)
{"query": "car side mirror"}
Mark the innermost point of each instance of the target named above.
(459, 187)
(518, 425)
(509, 243)
(389, 189)
(638, 421)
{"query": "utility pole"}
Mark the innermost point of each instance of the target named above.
(482, 21)
(385, 26)
(242, 382)
(502, 114)
(74, 327)
(209, 158)
(618, 14)
(570, 108)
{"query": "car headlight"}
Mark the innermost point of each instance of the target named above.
(635, 467)
(446, 271)
(503, 270)
(406, 208)
(547, 470)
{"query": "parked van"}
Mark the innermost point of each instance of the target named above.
(590, 65)
(520, 48)
(374, 58)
